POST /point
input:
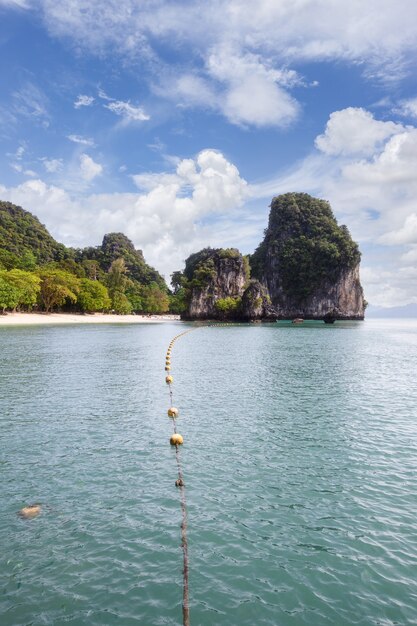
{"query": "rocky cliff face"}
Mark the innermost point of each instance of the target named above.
(306, 267)
(218, 278)
(309, 264)
(256, 303)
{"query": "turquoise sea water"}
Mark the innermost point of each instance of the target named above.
(299, 460)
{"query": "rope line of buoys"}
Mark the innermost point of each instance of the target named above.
(177, 440)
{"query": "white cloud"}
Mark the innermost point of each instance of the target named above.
(18, 4)
(242, 87)
(52, 165)
(188, 90)
(253, 90)
(29, 101)
(368, 175)
(267, 35)
(83, 101)
(406, 234)
(89, 168)
(84, 141)
(171, 216)
(407, 108)
(129, 112)
(354, 131)
(301, 29)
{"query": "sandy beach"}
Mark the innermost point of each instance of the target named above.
(29, 319)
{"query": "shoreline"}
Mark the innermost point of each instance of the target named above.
(37, 319)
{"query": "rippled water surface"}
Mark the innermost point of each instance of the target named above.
(299, 460)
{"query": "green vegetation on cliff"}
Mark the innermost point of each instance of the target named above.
(201, 269)
(304, 241)
(37, 271)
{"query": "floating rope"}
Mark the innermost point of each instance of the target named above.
(177, 440)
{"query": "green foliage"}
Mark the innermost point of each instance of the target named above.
(155, 300)
(9, 295)
(116, 246)
(197, 260)
(25, 244)
(120, 304)
(117, 283)
(22, 233)
(246, 267)
(19, 289)
(57, 288)
(227, 307)
(228, 253)
(27, 285)
(306, 244)
(93, 296)
(134, 293)
(178, 302)
(116, 277)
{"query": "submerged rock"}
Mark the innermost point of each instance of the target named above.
(30, 511)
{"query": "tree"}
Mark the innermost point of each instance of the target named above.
(9, 295)
(121, 304)
(134, 293)
(57, 286)
(154, 299)
(117, 283)
(227, 307)
(116, 277)
(27, 285)
(93, 296)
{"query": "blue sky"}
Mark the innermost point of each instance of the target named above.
(176, 122)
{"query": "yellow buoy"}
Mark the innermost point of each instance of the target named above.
(169, 380)
(27, 512)
(172, 412)
(167, 368)
(176, 439)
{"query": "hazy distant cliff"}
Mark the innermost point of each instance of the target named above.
(306, 266)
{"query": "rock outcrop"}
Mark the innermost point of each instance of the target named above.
(306, 267)
(217, 282)
(309, 264)
(256, 303)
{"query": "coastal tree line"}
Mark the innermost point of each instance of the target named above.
(38, 273)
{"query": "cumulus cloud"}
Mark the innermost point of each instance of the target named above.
(254, 91)
(89, 168)
(128, 111)
(172, 215)
(368, 175)
(354, 131)
(83, 101)
(406, 234)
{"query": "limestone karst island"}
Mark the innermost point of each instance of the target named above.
(306, 267)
